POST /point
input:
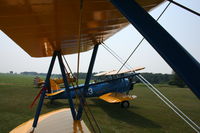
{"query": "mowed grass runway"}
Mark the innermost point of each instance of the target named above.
(146, 114)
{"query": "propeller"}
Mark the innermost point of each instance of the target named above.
(38, 95)
(131, 84)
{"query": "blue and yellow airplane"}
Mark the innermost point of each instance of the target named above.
(112, 87)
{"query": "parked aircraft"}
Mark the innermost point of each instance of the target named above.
(111, 87)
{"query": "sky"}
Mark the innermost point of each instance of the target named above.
(181, 24)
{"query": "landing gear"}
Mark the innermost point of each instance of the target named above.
(125, 104)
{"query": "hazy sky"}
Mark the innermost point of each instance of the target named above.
(182, 25)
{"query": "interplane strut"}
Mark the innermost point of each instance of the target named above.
(75, 114)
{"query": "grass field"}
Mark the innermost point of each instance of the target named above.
(146, 114)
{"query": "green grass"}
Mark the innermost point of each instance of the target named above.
(146, 114)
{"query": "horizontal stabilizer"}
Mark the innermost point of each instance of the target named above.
(116, 97)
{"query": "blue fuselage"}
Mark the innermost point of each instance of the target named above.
(95, 90)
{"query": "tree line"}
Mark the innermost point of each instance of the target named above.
(154, 78)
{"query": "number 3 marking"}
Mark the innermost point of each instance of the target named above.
(90, 91)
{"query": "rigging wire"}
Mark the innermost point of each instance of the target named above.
(184, 7)
(131, 55)
(89, 110)
(116, 56)
(192, 124)
(95, 121)
(70, 70)
(78, 67)
(111, 52)
(77, 96)
(170, 104)
(79, 40)
(143, 38)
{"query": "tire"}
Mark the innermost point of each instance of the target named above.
(125, 104)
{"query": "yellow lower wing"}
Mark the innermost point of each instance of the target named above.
(55, 93)
(116, 97)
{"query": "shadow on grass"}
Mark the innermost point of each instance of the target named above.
(125, 115)
(114, 111)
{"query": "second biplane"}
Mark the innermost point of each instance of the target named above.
(112, 87)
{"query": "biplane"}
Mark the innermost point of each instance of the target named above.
(111, 87)
(38, 82)
(55, 82)
(59, 27)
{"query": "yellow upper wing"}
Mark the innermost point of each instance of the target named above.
(115, 72)
(43, 26)
(116, 97)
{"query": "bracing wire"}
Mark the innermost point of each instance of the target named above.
(70, 70)
(89, 110)
(116, 56)
(184, 117)
(163, 98)
(170, 104)
(77, 97)
(131, 55)
(78, 65)
(79, 40)
(86, 113)
(111, 52)
(143, 39)
(184, 7)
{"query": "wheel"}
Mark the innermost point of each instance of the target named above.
(125, 104)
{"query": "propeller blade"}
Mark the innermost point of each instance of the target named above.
(38, 95)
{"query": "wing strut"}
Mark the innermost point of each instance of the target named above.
(170, 50)
(47, 85)
(87, 81)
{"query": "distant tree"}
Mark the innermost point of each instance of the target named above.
(29, 73)
(176, 80)
(11, 72)
(157, 78)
